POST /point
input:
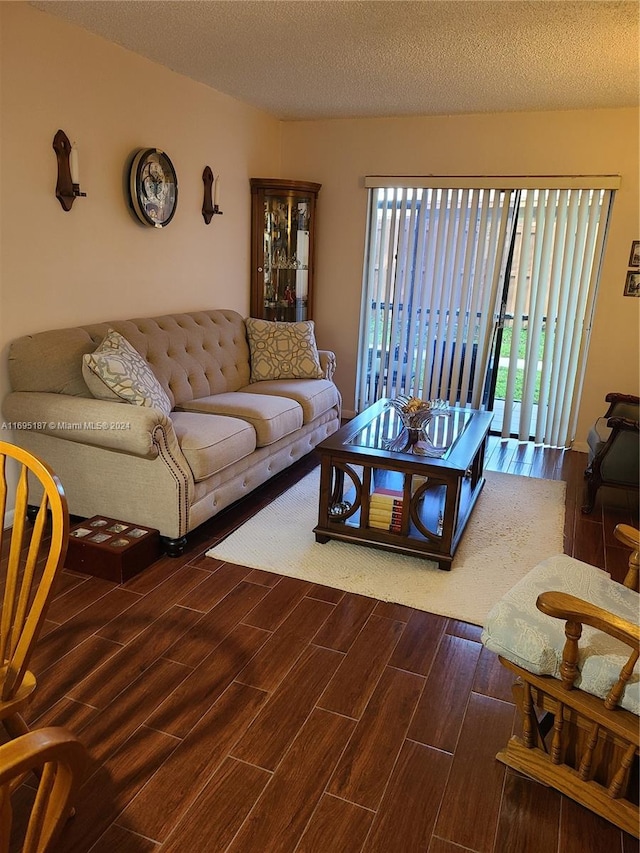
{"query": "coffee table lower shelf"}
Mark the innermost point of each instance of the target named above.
(440, 549)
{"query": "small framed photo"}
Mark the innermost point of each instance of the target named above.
(634, 257)
(100, 537)
(80, 532)
(632, 284)
(137, 532)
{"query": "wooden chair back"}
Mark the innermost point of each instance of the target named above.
(32, 559)
(58, 758)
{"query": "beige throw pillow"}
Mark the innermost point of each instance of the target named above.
(117, 371)
(282, 350)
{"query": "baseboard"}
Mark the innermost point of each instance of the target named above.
(8, 518)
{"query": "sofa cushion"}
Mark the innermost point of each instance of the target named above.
(211, 443)
(316, 396)
(271, 417)
(116, 371)
(282, 350)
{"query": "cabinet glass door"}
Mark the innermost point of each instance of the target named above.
(286, 258)
(283, 214)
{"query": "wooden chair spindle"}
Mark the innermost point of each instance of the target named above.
(615, 693)
(556, 744)
(569, 665)
(585, 765)
(528, 729)
(617, 783)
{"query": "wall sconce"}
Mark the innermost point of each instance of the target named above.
(210, 205)
(68, 185)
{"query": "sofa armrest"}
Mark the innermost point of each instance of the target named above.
(113, 426)
(623, 423)
(327, 362)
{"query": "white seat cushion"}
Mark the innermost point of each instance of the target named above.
(519, 632)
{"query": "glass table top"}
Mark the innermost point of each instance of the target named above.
(386, 432)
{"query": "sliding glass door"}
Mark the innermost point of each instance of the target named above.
(545, 317)
(482, 296)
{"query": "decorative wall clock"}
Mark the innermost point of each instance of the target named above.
(153, 187)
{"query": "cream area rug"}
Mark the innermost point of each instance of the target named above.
(516, 522)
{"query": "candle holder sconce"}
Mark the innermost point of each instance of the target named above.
(67, 186)
(209, 203)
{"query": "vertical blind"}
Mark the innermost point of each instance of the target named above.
(434, 265)
(438, 262)
(555, 275)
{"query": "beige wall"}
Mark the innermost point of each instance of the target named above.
(97, 262)
(340, 153)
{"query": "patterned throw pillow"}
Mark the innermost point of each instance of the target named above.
(117, 371)
(283, 350)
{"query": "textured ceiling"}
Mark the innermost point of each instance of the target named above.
(311, 59)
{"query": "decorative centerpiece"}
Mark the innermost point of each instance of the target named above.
(415, 415)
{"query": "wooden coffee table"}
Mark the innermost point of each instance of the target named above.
(439, 491)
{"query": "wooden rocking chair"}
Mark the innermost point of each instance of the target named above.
(578, 687)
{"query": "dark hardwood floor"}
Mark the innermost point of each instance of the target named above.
(228, 709)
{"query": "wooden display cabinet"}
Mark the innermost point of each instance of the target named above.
(282, 239)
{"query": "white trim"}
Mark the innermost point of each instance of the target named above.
(497, 182)
(8, 518)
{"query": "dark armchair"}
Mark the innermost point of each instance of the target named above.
(614, 448)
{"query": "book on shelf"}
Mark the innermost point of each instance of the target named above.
(394, 525)
(388, 509)
(384, 515)
(386, 497)
(385, 509)
(387, 494)
(375, 503)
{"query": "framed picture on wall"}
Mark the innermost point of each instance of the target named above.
(634, 257)
(632, 284)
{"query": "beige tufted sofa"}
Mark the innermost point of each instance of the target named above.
(223, 437)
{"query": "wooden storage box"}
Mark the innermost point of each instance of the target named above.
(111, 549)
